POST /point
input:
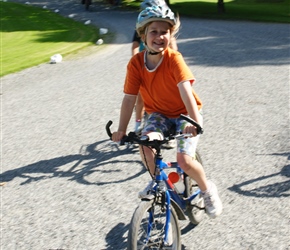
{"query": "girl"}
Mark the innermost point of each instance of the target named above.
(164, 81)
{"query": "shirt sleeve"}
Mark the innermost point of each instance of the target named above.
(134, 75)
(180, 69)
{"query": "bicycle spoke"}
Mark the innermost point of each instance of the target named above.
(148, 228)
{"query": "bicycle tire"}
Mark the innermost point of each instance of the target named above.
(195, 213)
(137, 236)
(198, 157)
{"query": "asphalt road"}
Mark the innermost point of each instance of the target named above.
(65, 186)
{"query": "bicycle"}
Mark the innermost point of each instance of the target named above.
(154, 224)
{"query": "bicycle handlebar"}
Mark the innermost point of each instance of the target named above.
(193, 122)
(132, 137)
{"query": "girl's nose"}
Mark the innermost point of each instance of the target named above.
(161, 36)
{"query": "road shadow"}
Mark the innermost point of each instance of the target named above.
(273, 190)
(96, 159)
(116, 238)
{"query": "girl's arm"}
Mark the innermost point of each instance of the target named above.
(135, 47)
(127, 107)
(189, 101)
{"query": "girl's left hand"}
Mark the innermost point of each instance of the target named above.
(190, 129)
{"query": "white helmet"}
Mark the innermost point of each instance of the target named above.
(155, 13)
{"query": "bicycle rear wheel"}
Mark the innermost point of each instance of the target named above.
(198, 157)
(145, 233)
(195, 211)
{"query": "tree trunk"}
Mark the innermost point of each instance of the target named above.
(221, 6)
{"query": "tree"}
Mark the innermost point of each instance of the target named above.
(221, 6)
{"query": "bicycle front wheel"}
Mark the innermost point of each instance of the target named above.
(147, 228)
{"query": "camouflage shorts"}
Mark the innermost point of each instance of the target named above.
(159, 123)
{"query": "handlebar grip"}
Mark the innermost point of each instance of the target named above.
(193, 122)
(108, 129)
(123, 140)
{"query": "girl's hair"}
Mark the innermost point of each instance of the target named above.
(157, 13)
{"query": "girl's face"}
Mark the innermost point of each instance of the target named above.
(158, 36)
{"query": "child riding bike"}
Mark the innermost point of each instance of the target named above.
(138, 46)
(164, 81)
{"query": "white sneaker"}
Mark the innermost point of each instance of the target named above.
(146, 190)
(212, 201)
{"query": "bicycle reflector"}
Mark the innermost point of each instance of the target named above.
(173, 177)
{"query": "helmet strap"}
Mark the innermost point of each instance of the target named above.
(153, 53)
(150, 52)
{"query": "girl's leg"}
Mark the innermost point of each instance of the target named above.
(154, 123)
(147, 159)
(193, 169)
(185, 158)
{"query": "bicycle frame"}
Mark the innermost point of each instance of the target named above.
(169, 192)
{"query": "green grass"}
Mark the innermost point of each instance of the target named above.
(250, 10)
(30, 36)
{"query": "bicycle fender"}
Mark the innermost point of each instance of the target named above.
(178, 210)
(148, 197)
(180, 214)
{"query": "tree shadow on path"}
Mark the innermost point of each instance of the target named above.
(271, 190)
(116, 238)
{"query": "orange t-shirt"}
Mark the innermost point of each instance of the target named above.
(158, 87)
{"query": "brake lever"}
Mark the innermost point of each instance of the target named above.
(193, 122)
(108, 125)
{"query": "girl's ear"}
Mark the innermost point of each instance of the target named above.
(143, 38)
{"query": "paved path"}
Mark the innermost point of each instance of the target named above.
(67, 187)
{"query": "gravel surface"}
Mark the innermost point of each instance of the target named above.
(65, 186)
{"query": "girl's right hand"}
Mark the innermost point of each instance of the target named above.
(117, 136)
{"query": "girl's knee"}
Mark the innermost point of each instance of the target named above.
(184, 161)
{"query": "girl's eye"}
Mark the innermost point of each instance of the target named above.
(161, 32)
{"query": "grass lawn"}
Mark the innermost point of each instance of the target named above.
(251, 10)
(30, 36)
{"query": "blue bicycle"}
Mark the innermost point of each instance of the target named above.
(154, 224)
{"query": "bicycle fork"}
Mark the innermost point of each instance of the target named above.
(168, 237)
(165, 204)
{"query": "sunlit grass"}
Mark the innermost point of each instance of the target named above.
(30, 36)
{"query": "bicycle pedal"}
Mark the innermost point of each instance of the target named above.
(195, 206)
(148, 197)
